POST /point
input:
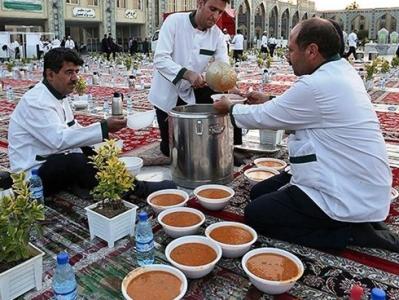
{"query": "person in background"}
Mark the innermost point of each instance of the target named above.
(338, 190)
(134, 47)
(113, 47)
(105, 47)
(272, 45)
(187, 43)
(44, 134)
(15, 49)
(227, 39)
(63, 42)
(264, 48)
(40, 48)
(146, 46)
(352, 41)
(238, 42)
(69, 43)
(55, 43)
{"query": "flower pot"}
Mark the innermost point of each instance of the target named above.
(113, 229)
(23, 277)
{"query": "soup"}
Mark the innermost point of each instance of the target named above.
(272, 266)
(270, 164)
(181, 219)
(214, 193)
(232, 235)
(260, 175)
(167, 199)
(157, 285)
(193, 254)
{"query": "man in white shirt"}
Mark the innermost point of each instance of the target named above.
(272, 45)
(44, 135)
(264, 48)
(352, 42)
(187, 43)
(69, 43)
(339, 190)
(227, 38)
(238, 42)
(15, 49)
(55, 43)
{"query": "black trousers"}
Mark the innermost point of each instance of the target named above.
(352, 50)
(61, 171)
(272, 47)
(202, 96)
(237, 54)
(289, 214)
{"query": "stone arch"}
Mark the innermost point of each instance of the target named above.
(260, 18)
(285, 24)
(273, 22)
(243, 18)
(359, 22)
(339, 20)
(387, 21)
(295, 19)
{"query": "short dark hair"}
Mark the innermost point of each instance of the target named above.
(55, 58)
(320, 32)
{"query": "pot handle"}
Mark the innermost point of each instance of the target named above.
(216, 129)
(198, 128)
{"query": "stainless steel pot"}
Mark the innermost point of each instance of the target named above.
(201, 143)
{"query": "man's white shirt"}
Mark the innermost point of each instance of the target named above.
(352, 39)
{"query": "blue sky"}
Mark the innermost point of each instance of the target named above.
(341, 4)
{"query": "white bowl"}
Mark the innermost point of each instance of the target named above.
(165, 268)
(138, 120)
(258, 163)
(158, 208)
(176, 232)
(253, 181)
(229, 250)
(119, 145)
(213, 204)
(80, 104)
(133, 164)
(269, 286)
(234, 98)
(194, 271)
(394, 194)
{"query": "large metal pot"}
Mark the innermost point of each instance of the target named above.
(201, 143)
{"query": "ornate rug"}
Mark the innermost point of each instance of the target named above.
(389, 122)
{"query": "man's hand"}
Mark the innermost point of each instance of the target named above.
(116, 123)
(196, 80)
(257, 98)
(223, 105)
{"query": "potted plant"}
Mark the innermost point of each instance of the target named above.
(395, 62)
(370, 70)
(81, 88)
(21, 264)
(111, 218)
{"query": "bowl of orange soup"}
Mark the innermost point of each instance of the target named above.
(181, 221)
(234, 238)
(269, 162)
(169, 198)
(256, 175)
(161, 282)
(194, 255)
(271, 270)
(213, 196)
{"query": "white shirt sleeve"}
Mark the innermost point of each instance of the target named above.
(163, 61)
(295, 109)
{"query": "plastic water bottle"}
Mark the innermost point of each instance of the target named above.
(129, 105)
(64, 282)
(144, 240)
(378, 294)
(36, 186)
(106, 108)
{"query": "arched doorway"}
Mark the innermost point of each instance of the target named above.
(285, 24)
(244, 19)
(305, 16)
(386, 21)
(260, 14)
(273, 22)
(359, 23)
(295, 19)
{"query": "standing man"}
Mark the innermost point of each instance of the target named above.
(238, 42)
(55, 43)
(227, 38)
(338, 192)
(69, 43)
(105, 48)
(352, 41)
(187, 43)
(272, 45)
(264, 48)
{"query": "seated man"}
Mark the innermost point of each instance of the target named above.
(43, 133)
(339, 190)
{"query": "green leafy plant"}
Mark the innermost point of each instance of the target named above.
(81, 86)
(260, 62)
(370, 70)
(19, 214)
(128, 62)
(395, 62)
(384, 66)
(268, 61)
(10, 65)
(113, 178)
